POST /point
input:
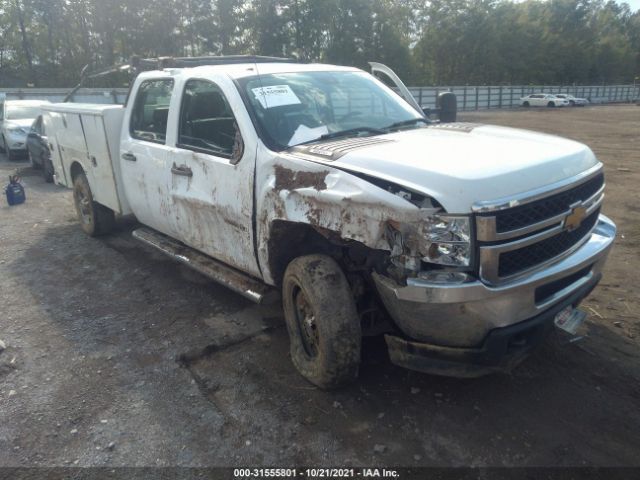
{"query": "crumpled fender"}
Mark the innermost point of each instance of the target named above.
(301, 191)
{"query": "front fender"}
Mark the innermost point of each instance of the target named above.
(301, 191)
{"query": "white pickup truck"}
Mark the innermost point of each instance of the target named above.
(464, 244)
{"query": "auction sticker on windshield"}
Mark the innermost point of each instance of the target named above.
(275, 96)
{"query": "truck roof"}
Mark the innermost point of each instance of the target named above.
(240, 70)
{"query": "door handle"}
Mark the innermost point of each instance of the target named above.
(181, 170)
(129, 156)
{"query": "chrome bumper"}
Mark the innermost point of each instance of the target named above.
(461, 315)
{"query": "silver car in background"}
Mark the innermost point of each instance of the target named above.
(543, 100)
(16, 118)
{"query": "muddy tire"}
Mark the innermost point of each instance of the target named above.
(323, 324)
(47, 169)
(32, 162)
(95, 219)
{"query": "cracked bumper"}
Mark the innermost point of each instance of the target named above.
(465, 315)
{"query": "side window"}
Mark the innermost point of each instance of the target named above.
(207, 123)
(151, 110)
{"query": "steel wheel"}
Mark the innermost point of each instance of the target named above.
(84, 206)
(306, 323)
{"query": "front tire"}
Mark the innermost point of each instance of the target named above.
(3, 147)
(323, 324)
(95, 219)
(551, 104)
(526, 105)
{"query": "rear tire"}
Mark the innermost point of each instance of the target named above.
(572, 103)
(3, 148)
(95, 219)
(324, 327)
(47, 169)
(33, 164)
(551, 104)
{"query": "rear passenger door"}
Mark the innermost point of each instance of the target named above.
(213, 172)
(145, 156)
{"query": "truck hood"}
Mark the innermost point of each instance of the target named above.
(461, 164)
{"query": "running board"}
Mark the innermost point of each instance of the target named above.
(231, 278)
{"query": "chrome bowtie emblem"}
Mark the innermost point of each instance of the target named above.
(574, 219)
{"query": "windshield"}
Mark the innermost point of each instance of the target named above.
(20, 112)
(295, 108)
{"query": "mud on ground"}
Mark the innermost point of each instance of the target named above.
(118, 356)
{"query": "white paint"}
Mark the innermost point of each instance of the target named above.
(460, 168)
(89, 135)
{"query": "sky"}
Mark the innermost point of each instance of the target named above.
(634, 4)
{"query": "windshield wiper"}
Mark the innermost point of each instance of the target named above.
(406, 123)
(345, 133)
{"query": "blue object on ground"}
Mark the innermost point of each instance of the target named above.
(15, 191)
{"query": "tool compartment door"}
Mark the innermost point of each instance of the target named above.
(99, 167)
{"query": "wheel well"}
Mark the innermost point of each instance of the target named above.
(76, 169)
(288, 240)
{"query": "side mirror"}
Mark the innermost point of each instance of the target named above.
(448, 105)
(32, 135)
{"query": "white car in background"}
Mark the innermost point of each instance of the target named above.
(573, 101)
(16, 118)
(543, 100)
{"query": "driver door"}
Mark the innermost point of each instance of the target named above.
(212, 172)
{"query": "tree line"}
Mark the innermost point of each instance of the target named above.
(428, 42)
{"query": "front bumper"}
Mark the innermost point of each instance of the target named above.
(465, 315)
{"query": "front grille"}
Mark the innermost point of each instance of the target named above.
(539, 210)
(516, 261)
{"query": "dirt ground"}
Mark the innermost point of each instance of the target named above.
(117, 356)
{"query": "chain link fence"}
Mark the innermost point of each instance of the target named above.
(487, 97)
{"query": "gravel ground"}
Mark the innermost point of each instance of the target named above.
(117, 356)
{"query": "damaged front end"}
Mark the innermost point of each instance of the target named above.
(423, 264)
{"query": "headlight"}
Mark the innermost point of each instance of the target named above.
(447, 241)
(17, 130)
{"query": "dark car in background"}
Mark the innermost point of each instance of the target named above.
(38, 149)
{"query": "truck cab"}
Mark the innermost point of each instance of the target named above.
(463, 244)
